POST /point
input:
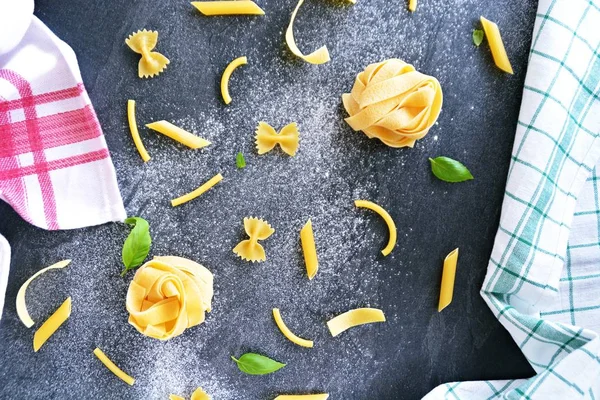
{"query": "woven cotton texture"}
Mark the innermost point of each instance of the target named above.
(543, 278)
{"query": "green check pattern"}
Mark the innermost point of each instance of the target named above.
(543, 279)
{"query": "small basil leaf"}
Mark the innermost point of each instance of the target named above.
(240, 161)
(137, 245)
(255, 364)
(449, 170)
(477, 37)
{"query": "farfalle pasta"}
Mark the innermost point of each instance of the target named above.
(394, 103)
(152, 62)
(250, 249)
(267, 138)
(167, 295)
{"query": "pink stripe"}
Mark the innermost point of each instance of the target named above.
(43, 98)
(55, 130)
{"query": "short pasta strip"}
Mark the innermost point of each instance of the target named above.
(227, 74)
(309, 249)
(319, 56)
(240, 7)
(52, 324)
(320, 396)
(250, 250)
(196, 193)
(448, 277)
(21, 305)
(135, 134)
(388, 220)
(412, 5)
(151, 63)
(200, 394)
(113, 368)
(180, 135)
(492, 33)
(288, 333)
(352, 318)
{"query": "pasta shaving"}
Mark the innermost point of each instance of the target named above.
(320, 396)
(250, 250)
(21, 305)
(352, 318)
(227, 74)
(200, 394)
(388, 220)
(448, 277)
(267, 138)
(288, 333)
(52, 324)
(134, 131)
(319, 56)
(180, 135)
(412, 5)
(492, 33)
(152, 62)
(309, 249)
(196, 193)
(239, 7)
(113, 367)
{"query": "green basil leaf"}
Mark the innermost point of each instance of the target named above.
(240, 161)
(477, 37)
(255, 364)
(137, 245)
(449, 170)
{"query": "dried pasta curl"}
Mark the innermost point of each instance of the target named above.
(394, 103)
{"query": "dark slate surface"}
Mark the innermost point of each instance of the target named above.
(417, 348)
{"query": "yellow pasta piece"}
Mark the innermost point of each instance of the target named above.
(52, 324)
(267, 138)
(320, 396)
(492, 33)
(113, 368)
(227, 74)
(168, 295)
(412, 5)
(200, 394)
(394, 103)
(175, 397)
(134, 131)
(21, 306)
(309, 249)
(196, 193)
(250, 249)
(288, 333)
(388, 220)
(352, 318)
(319, 56)
(152, 63)
(448, 276)
(176, 133)
(239, 7)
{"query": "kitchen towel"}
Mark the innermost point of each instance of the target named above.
(543, 277)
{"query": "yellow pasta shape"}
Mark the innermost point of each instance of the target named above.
(412, 5)
(388, 220)
(200, 394)
(319, 56)
(113, 368)
(21, 305)
(448, 276)
(250, 250)
(288, 333)
(267, 138)
(227, 74)
(352, 318)
(52, 324)
(320, 396)
(180, 135)
(196, 193)
(152, 62)
(492, 33)
(134, 131)
(175, 397)
(239, 7)
(309, 249)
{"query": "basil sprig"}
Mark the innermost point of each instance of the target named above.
(256, 364)
(449, 170)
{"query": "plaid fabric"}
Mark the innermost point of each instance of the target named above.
(543, 279)
(55, 169)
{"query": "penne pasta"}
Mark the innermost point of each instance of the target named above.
(492, 33)
(239, 7)
(196, 193)
(309, 249)
(52, 324)
(448, 277)
(180, 135)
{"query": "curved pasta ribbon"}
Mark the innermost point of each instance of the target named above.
(167, 295)
(250, 249)
(394, 103)
(288, 333)
(319, 56)
(267, 138)
(388, 220)
(227, 74)
(152, 62)
(352, 318)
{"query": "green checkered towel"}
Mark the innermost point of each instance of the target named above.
(543, 278)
